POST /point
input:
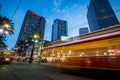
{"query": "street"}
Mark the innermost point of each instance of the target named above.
(59, 40)
(25, 71)
(44, 71)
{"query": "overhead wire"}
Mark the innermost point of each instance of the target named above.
(117, 11)
(16, 9)
(77, 26)
(0, 9)
(62, 6)
(64, 3)
(57, 8)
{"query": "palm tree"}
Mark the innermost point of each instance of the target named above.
(6, 25)
(19, 47)
(2, 44)
(33, 38)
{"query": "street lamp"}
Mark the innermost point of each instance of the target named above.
(6, 26)
(34, 40)
(41, 48)
(3, 30)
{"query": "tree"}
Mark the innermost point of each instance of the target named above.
(33, 38)
(6, 26)
(19, 47)
(2, 44)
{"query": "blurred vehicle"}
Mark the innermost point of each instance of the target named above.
(95, 50)
(6, 56)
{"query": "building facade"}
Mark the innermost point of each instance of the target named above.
(32, 22)
(59, 28)
(83, 31)
(100, 15)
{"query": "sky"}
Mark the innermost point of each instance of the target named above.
(73, 11)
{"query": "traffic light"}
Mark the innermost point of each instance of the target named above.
(36, 41)
(33, 40)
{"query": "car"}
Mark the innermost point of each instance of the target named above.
(6, 56)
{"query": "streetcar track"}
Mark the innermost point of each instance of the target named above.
(18, 78)
(25, 70)
(48, 78)
(16, 71)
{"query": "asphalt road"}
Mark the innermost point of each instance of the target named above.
(25, 71)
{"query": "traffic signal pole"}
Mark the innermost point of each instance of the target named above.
(31, 56)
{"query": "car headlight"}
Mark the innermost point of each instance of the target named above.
(7, 59)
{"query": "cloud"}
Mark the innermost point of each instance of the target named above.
(74, 15)
(48, 28)
(58, 2)
(55, 2)
(76, 18)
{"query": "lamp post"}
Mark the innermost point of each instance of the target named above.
(31, 56)
(41, 48)
(3, 30)
(34, 40)
(3, 33)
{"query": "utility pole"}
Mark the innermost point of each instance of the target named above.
(31, 56)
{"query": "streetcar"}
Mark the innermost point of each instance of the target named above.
(97, 50)
(6, 56)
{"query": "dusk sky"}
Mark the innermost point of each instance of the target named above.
(73, 11)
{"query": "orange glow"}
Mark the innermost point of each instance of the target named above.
(115, 51)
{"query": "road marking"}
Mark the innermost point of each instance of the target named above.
(12, 73)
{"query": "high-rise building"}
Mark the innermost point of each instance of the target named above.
(100, 15)
(32, 22)
(83, 30)
(59, 28)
